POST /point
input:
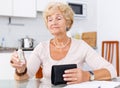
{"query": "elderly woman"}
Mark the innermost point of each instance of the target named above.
(63, 50)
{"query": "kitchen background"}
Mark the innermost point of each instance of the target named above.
(10, 34)
(103, 17)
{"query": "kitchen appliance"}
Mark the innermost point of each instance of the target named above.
(27, 42)
(79, 8)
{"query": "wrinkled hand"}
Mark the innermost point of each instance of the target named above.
(73, 76)
(16, 63)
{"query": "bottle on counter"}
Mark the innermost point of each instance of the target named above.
(3, 42)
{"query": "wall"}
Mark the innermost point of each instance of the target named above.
(90, 24)
(108, 21)
(36, 29)
(32, 27)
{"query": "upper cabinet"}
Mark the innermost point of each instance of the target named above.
(24, 8)
(18, 8)
(41, 4)
(6, 7)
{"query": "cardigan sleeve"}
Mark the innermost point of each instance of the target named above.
(34, 62)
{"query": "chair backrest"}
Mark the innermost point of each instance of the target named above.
(110, 51)
(39, 73)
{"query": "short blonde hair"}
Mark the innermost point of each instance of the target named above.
(65, 9)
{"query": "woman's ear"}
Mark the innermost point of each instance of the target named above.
(67, 25)
(67, 28)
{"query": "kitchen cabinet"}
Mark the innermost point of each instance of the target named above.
(41, 4)
(6, 7)
(24, 8)
(18, 8)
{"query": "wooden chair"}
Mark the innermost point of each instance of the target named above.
(110, 51)
(39, 73)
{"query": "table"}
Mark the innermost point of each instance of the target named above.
(33, 83)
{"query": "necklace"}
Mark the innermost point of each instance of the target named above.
(63, 45)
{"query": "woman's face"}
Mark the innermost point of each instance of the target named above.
(56, 23)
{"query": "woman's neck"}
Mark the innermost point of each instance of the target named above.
(61, 42)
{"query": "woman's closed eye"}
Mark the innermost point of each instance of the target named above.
(59, 18)
(50, 19)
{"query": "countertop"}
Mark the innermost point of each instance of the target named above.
(7, 49)
(36, 83)
(11, 49)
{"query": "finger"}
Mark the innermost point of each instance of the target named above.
(14, 58)
(18, 66)
(70, 79)
(71, 70)
(14, 61)
(69, 75)
(15, 54)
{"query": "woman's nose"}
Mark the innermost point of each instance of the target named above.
(54, 21)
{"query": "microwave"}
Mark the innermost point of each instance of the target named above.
(79, 8)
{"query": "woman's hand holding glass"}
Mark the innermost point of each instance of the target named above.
(17, 63)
